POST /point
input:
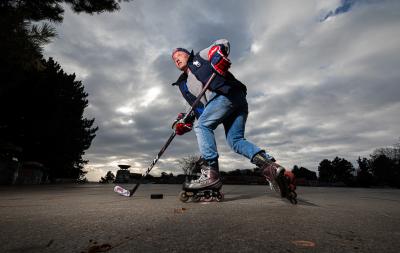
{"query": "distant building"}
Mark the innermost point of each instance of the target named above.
(13, 170)
(10, 162)
(123, 174)
(31, 173)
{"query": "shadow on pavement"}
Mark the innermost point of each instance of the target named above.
(251, 196)
(243, 196)
(305, 203)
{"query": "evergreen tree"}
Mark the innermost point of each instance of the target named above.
(385, 170)
(22, 37)
(109, 178)
(41, 107)
(325, 171)
(385, 165)
(364, 175)
(343, 170)
(304, 173)
(43, 114)
(337, 170)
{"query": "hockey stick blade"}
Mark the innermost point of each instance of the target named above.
(134, 189)
(121, 191)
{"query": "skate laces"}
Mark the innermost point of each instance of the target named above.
(271, 186)
(271, 174)
(202, 177)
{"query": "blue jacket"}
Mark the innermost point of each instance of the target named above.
(191, 83)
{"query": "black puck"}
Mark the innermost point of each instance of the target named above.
(156, 196)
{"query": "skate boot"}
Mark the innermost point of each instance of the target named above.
(279, 179)
(291, 181)
(206, 187)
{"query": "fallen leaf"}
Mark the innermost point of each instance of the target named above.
(301, 243)
(179, 210)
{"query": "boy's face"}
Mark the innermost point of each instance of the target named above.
(180, 59)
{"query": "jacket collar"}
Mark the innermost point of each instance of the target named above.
(181, 78)
(191, 56)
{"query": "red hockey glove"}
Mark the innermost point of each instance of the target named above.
(219, 60)
(181, 127)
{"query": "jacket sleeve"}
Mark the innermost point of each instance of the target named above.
(222, 42)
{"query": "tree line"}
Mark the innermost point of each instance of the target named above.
(381, 168)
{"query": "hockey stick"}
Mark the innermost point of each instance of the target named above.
(129, 193)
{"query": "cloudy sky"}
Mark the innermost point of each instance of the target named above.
(322, 77)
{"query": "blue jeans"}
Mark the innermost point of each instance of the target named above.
(231, 110)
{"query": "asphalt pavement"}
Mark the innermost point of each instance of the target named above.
(92, 218)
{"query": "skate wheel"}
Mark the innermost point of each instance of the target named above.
(196, 198)
(183, 196)
(281, 189)
(207, 198)
(284, 187)
(220, 196)
(292, 197)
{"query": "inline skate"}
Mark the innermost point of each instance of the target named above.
(279, 179)
(204, 186)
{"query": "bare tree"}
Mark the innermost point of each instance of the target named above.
(188, 164)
